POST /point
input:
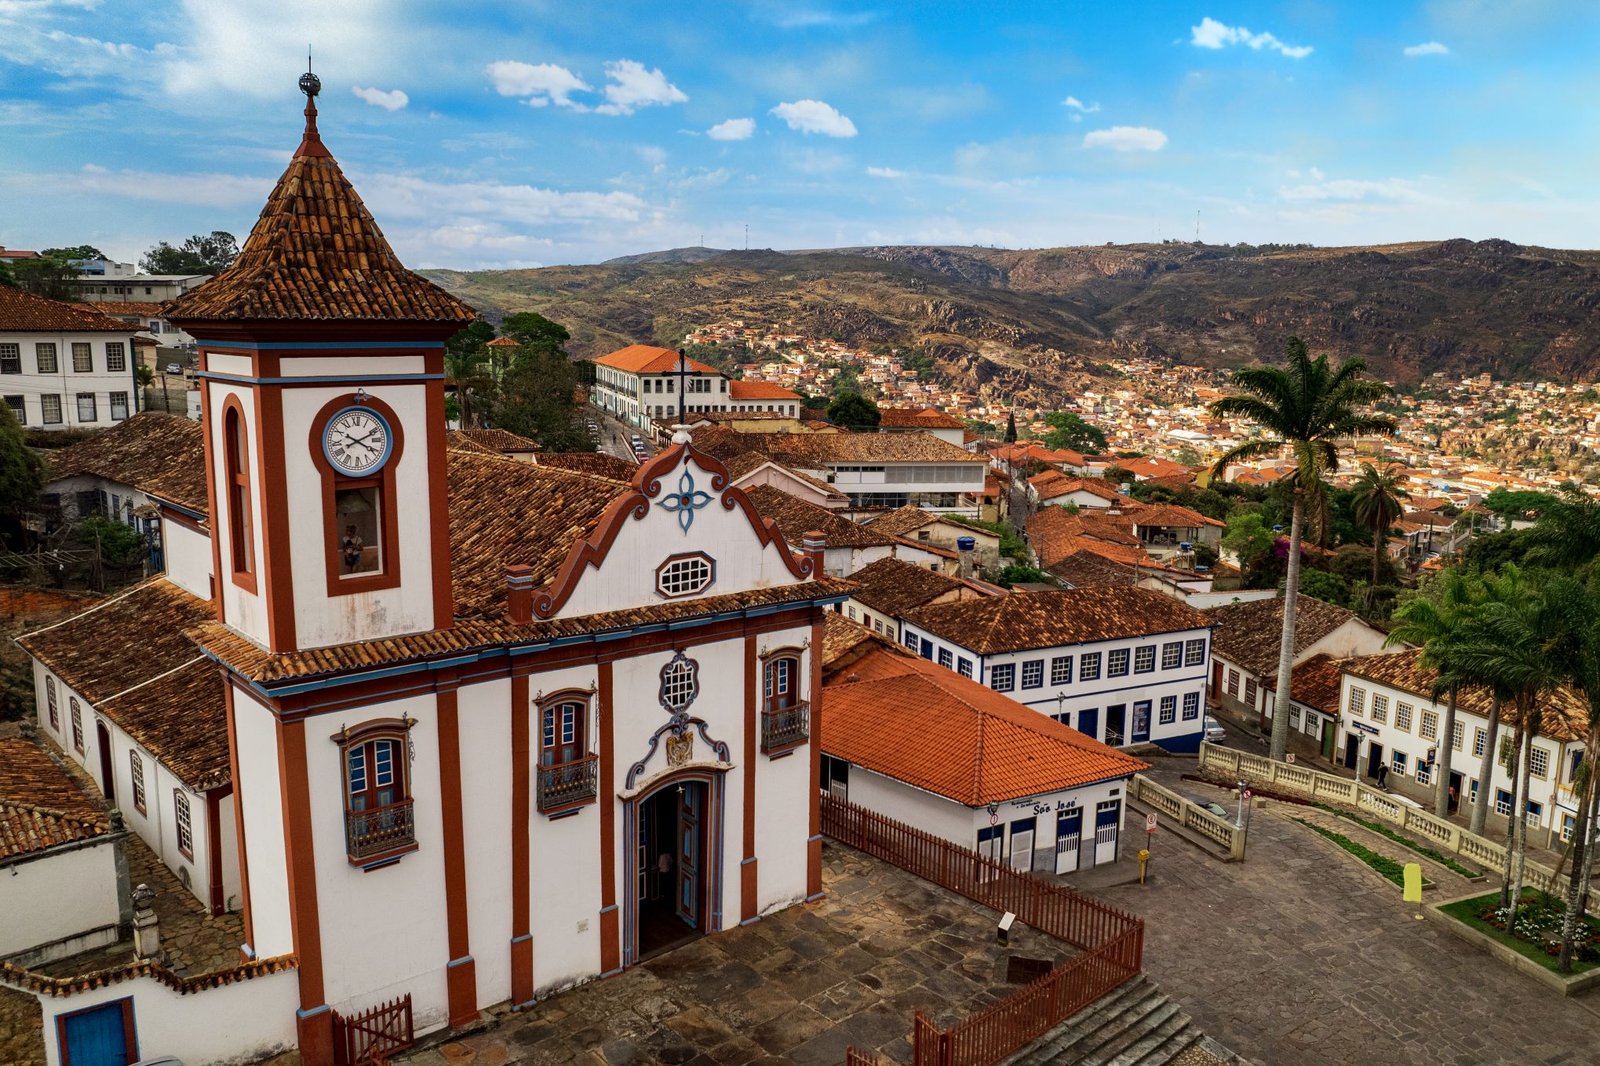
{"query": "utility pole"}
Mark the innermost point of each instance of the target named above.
(683, 369)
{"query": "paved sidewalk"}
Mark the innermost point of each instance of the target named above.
(1300, 956)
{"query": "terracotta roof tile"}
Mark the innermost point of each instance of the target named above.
(158, 454)
(914, 418)
(844, 641)
(1026, 620)
(739, 389)
(166, 697)
(903, 520)
(1315, 682)
(1564, 712)
(316, 253)
(500, 440)
(894, 587)
(597, 464)
(42, 804)
(823, 448)
(1053, 484)
(1170, 515)
(648, 359)
(1247, 633)
(929, 727)
(796, 517)
(23, 312)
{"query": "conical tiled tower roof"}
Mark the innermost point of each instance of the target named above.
(317, 254)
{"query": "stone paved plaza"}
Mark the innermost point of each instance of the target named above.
(796, 987)
(1302, 956)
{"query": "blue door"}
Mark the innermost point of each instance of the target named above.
(1089, 722)
(927, 648)
(99, 1036)
(1141, 721)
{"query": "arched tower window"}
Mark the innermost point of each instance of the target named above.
(241, 525)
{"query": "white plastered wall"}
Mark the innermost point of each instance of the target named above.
(187, 554)
(67, 892)
(257, 788)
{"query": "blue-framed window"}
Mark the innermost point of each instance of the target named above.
(1061, 670)
(1194, 652)
(1191, 706)
(1117, 662)
(1144, 659)
(1172, 655)
(1089, 666)
(964, 666)
(910, 639)
(1169, 710)
(945, 658)
(1003, 678)
(1033, 673)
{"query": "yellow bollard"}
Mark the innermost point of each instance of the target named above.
(1413, 887)
(1144, 860)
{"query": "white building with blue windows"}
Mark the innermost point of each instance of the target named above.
(1122, 665)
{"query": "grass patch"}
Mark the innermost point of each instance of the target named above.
(1476, 913)
(1386, 866)
(1405, 842)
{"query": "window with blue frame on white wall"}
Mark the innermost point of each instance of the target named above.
(1117, 662)
(964, 666)
(1144, 659)
(1003, 677)
(1089, 666)
(1169, 710)
(1061, 670)
(1033, 673)
(1194, 652)
(1191, 706)
(1172, 655)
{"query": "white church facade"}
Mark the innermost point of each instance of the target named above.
(490, 728)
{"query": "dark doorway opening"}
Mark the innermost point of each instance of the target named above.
(1455, 792)
(672, 897)
(1352, 749)
(102, 738)
(1374, 760)
(1116, 724)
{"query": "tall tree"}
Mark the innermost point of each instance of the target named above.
(1377, 506)
(537, 398)
(21, 472)
(1308, 408)
(1011, 427)
(1069, 431)
(851, 410)
(1567, 534)
(203, 253)
(1433, 622)
(536, 333)
(464, 356)
(54, 274)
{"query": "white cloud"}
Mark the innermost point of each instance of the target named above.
(885, 172)
(1350, 190)
(393, 100)
(540, 83)
(1126, 139)
(1078, 105)
(403, 196)
(1427, 48)
(1213, 34)
(733, 129)
(630, 86)
(814, 116)
(199, 189)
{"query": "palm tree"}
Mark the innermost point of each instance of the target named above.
(1581, 610)
(1507, 587)
(1433, 623)
(461, 374)
(1309, 408)
(1376, 504)
(1567, 535)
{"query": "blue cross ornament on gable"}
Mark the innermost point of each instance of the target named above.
(686, 501)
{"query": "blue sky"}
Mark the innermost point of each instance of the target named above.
(532, 133)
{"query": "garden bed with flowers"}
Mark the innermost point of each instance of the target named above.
(1537, 935)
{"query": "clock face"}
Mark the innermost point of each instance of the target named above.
(356, 441)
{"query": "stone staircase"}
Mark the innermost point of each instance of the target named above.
(1135, 1025)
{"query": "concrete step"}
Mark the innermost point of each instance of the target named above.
(1085, 1021)
(1162, 1044)
(1155, 1012)
(1135, 1025)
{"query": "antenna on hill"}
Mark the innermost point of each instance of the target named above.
(1197, 226)
(747, 236)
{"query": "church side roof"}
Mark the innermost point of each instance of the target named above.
(42, 804)
(158, 454)
(316, 253)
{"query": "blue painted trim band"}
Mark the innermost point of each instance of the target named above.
(318, 379)
(813, 899)
(564, 814)
(313, 1012)
(462, 961)
(520, 939)
(248, 951)
(310, 346)
(612, 973)
(199, 516)
(750, 921)
(813, 840)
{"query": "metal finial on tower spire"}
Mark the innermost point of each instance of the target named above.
(310, 84)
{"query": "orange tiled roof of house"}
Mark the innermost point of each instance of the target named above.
(1315, 682)
(893, 586)
(903, 520)
(913, 418)
(159, 454)
(42, 804)
(316, 253)
(803, 448)
(1564, 714)
(499, 440)
(972, 744)
(1170, 515)
(1149, 466)
(1247, 633)
(1026, 620)
(1052, 484)
(797, 517)
(24, 312)
(648, 359)
(598, 464)
(739, 389)
(126, 308)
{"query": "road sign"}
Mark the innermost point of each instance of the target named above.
(1289, 758)
(1150, 822)
(1247, 793)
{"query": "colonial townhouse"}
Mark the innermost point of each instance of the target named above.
(641, 383)
(979, 546)
(1246, 652)
(1168, 530)
(749, 469)
(1055, 489)
(1122, 665)
(889, 589)
(532, 715)
(947, 428)
(1391, 721)
(64, 366)
(986, 772)
(883, 471)
(850, 545)
(1313, 705)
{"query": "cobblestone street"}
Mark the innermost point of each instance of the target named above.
(1301, 956)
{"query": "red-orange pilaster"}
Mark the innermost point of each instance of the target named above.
(521, 933)
(314, 1020)
(752, 731)
(610, 936)
(460, 971)
(814, 748)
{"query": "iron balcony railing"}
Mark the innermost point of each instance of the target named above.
(783, 728)
(567, 784)
(379, 830)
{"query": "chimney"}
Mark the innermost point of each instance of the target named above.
(964, 549)
(812, 546)
(519, 593)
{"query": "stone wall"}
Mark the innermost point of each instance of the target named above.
(21, 1029)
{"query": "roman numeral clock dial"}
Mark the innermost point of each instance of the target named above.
(356, 441)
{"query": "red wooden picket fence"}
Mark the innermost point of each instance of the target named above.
(1111, 939)
(369, 1038)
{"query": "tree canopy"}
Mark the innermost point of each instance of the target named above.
(21, 471)
(851, 410)
(203, 253)
(1071, 432)
(536, 333)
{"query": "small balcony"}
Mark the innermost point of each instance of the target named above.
(379, 832)
(785, 728)
(563, 786)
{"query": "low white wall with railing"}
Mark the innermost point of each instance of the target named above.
(1188, 814)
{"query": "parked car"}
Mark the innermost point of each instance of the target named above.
(1209, 806)
(174, 368)
(1214, 731)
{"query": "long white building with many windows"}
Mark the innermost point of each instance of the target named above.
(1122, 665)
(62, 365)
(641, 382)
